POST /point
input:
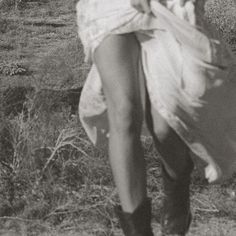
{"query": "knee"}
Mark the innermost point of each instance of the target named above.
(125, 116)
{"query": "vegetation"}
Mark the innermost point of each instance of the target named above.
(52, 180)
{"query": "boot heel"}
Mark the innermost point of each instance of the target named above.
(137, 223)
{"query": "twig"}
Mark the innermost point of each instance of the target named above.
(207, 210)
(3, 163)
(65, 212)
(206, 203)
(15, 218)
(66, 137)
(78, 149)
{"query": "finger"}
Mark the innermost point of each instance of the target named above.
(146, 7)
(182, 2)
(138, 7)
(141, 6)
(136, 4)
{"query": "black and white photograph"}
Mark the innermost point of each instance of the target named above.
(117, 117)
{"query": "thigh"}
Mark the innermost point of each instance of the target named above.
(117, 60)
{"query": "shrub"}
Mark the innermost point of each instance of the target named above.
(12, 68)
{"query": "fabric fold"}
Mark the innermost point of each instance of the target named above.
(190, 75)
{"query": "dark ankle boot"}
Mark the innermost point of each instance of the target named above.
(137, 223)
(176, 216)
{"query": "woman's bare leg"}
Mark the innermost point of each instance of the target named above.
(117, 62)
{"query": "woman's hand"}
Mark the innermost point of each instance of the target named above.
(141, 5)
(182, 2)
(144, 5)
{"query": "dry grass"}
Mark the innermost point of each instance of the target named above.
(53, 181)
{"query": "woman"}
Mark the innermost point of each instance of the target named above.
(158, 62)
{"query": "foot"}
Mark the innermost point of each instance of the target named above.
(137, 223)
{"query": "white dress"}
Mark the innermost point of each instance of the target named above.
(190, 75)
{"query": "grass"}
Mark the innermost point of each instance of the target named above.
(53, 181)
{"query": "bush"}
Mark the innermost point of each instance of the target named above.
(12, 68)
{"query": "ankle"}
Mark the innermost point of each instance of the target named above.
(137, 223)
